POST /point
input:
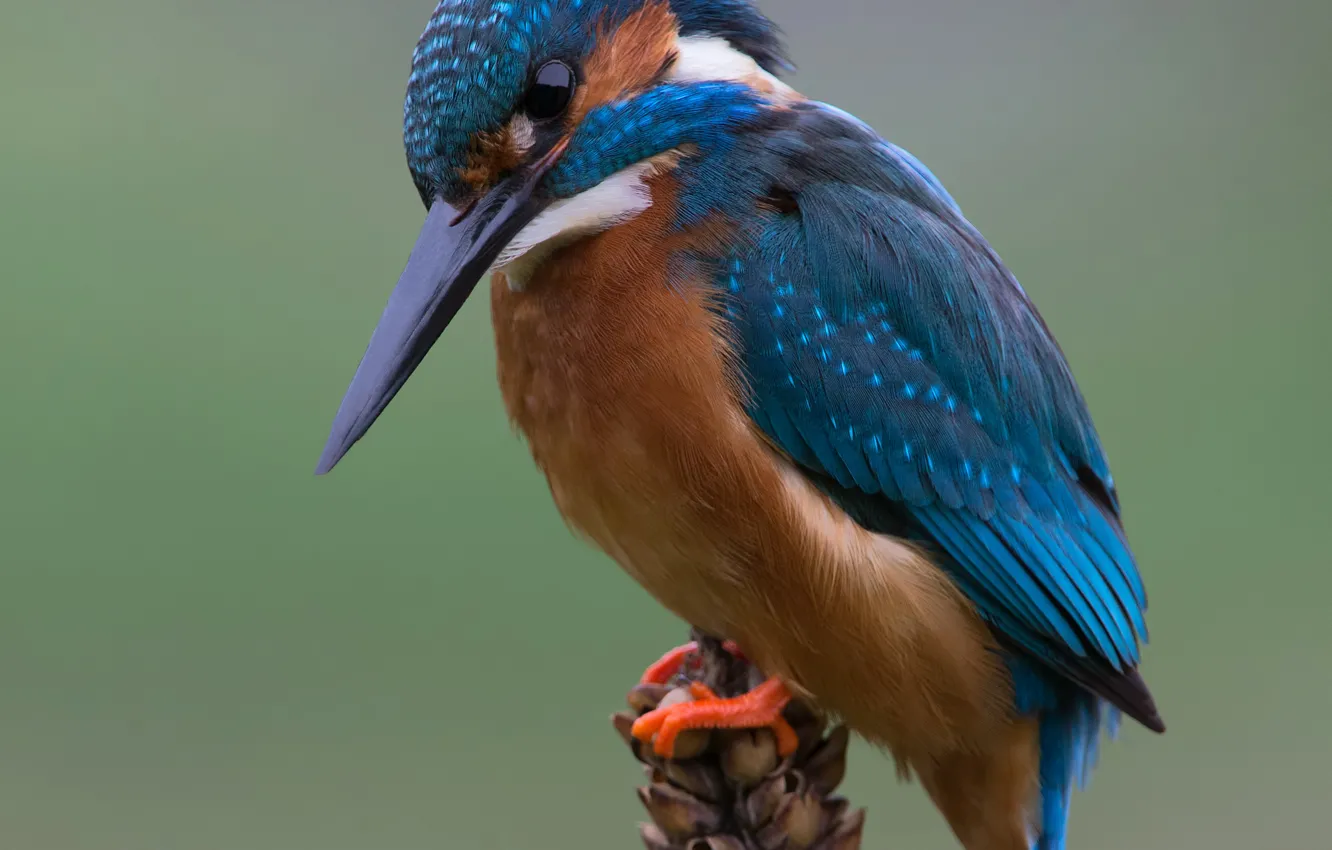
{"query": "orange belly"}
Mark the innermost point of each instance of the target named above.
(624, 386)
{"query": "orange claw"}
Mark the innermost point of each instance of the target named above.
(760, 708)
(668, 665)
(665, 668)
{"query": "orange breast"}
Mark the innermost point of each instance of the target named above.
(617, 378)
(622, 381)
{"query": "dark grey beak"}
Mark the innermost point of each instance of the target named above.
(451, 255)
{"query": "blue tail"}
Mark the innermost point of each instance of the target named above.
(1071, 721)
(1069, 737)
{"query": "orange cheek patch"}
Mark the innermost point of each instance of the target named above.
(492, 154)
(629, 59)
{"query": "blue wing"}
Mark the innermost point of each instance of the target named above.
(893, 356)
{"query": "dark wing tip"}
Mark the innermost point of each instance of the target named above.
(1129, 693)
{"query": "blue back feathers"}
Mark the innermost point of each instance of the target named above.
(893, 356)
(475, 58)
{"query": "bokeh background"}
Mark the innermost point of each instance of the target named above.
(202, 208)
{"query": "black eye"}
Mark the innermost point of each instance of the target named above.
(551, 90)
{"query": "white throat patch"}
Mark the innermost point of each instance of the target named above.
(613, 201)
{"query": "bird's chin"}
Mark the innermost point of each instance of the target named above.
(615, 200)
(518, 269)
(515, 276)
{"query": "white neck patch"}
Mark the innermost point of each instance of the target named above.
(613, 201)
(708, 58)
(625, 194)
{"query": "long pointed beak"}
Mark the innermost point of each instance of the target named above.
(451, 255)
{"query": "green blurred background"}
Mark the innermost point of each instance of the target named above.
(202, 209)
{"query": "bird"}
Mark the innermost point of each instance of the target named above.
(767, 365)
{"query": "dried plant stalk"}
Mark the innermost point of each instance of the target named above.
(727, 789)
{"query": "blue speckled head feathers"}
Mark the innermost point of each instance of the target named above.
(475, 58)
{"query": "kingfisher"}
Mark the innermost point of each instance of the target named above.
(767, 366)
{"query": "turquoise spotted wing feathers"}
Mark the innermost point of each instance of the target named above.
(894, 357)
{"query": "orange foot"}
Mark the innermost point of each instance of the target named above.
(760, 708)
(669, 664)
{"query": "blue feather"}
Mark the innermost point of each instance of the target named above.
(1071, 722)
(891, 354)
(1069, 737)
(890, 351)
